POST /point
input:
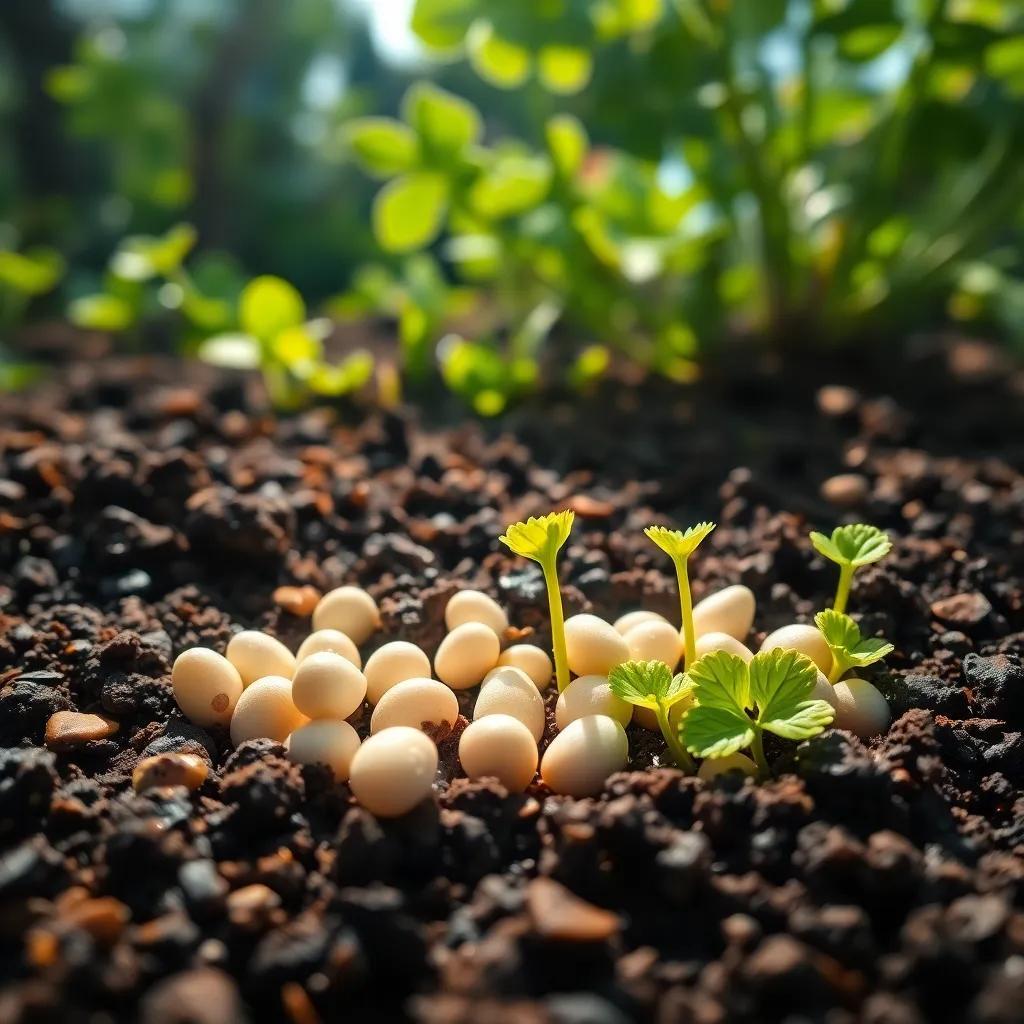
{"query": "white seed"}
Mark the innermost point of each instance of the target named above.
(329, 640)
(266, 710)
(712, 767)
(256, 655)
(350, 610)
(655, 641)
(414, 703)
(475, 606)
(326, 685)
(624, 623)
(805, 639)
(647, 719)
(594, 646)
(823, 690)
(860, 708)
(394, 663)
(466, 655)
(536, 663)
(728, 611)
(206, 686)
(721, 642)
(584, 754)
(590, 695)
(393, 771)
(502, 747)
(328, 742)
(510, 691)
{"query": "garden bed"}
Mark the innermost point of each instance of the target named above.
(146, 507)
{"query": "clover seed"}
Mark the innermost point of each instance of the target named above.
(534, 661)
(393, 771)
(499, 746)
(590, 695)
(805, 639)
(475, 606)
(329, 640)
(860, 708)
(510, 691)
(326, 685)
(325, 741)
(624, 623)
(728, 611)
(712, 767)
(394, 663)
(206, 686)
(594, 647)
(655, 641)
(466, 655)
(414, 703)
(256, 654)
(350, 610)
(722, 642)
(266, 710)
(584, 754)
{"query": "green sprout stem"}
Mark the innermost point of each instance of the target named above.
(557, 622)
(757, 750)
(843, 589)
(686, 611)
(675, 746)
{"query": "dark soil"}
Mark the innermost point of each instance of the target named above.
(145, 508)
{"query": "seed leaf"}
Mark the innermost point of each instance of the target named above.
(539, 537)
(856, 545)
(781, 684)
(679, 543)
(647, 684)
(719, 725)
(844, 639)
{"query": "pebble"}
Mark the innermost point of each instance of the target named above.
(69, 729)
(846, 490)
(188, 770)
(962, 610)
(297, 601)
(559, 915)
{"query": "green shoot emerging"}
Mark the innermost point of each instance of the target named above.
(850, 547)
(650, 684)
(679, 545)
(849, 649)
(737, 702)
(540, 539)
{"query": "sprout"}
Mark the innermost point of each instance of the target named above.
(849, 649)
(650, 684)
(540, 539)
(679, 545)
(737, 703)
(850, 547)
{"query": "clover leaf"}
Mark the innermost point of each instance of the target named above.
(651, 684)
(849, 648)
(851, 547)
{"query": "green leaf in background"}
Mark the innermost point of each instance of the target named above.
(382, 145)
(232, 351)
(408, 211)
(564, 69)
(855, 545)
(142, 257)
(298, 348)
(352, 373)
(101, 312)
(567, 141)
(497, 60)
(511, 186)
(445, 123)
(33, 272)
(869, 41)
(590, 365)
(269, 305)
(441, 24)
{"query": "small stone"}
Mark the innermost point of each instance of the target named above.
(836, 400)
(188, 770)
(846, 490)
(252, 906)
(69, 729)
(298, 601)
(561, 916)
(962, 610)
(590, 508)
(104, 918)
(204, 995)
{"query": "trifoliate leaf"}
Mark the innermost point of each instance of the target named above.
(849, 649)
(719, 725)
(856, 545)
(781, 684)
(647, 684)
(539, 537)
(679, 543)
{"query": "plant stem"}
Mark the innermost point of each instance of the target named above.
(757, 749)
(837, 669)
(843, 590)
(676, 749)
(686, 611)
(557, 625)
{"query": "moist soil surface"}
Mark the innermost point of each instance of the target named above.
(146, 507)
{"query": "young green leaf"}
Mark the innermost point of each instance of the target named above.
(647, 684)
(719, 725)
(851, 547)
(540, 540)
(849, 649)
(781, 684)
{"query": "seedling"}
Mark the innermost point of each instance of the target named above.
(851, 547)
(737, 703)
(540, 539)
(849, 649)
(651, 684)
(679, 545)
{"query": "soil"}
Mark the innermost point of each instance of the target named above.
(146, 507)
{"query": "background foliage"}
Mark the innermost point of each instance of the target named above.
(549, 183)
